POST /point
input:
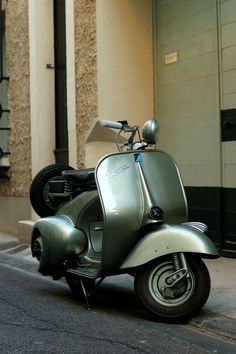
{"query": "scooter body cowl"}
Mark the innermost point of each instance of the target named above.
(114, 218)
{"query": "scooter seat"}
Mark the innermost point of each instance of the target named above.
(80, 177)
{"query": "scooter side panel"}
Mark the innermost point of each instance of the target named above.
(170, 239)
(123, 207)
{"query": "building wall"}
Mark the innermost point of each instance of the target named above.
(188, 88)
(196, 94)
(111, 76)
(17, 40)
(4, 146)
(227, 29)
(40, 38)
(188, 102)
(125, 60)
(14, 190)
(31, 104)
(124, 69)
(70, 72)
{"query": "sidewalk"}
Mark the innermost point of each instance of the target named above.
(218, 314)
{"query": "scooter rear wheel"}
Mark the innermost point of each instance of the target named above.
(173, 304)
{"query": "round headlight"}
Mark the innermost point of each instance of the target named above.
(150, 131)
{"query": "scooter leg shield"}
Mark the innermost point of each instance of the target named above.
(59, 240)
(169, 239)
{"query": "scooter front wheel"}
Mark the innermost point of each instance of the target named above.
(177, 303)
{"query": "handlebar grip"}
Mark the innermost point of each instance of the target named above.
(111, 124)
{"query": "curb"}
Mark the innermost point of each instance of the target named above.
(217, 324)
(13, 249)
(6, 239)
(10, 245)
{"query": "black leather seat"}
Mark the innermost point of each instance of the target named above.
(82, 177)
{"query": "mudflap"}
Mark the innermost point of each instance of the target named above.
(169, 239)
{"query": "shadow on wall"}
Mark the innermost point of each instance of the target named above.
(99, 142)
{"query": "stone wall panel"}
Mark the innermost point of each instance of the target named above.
(17, 46)
(86, 71)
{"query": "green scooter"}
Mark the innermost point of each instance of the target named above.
(128, 215)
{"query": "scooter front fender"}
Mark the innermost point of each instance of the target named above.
(170, 239)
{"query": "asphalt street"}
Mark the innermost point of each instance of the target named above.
(213, 330)
(39, 315)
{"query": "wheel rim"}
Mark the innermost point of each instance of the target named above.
(37, 248)
(170, 296)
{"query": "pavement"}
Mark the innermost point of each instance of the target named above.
(219, 313)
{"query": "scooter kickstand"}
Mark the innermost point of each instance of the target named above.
(86, 296)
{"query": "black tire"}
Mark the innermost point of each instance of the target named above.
(74, 282)
(38, 189)
(185, 299)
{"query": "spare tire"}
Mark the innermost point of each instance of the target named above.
(38, 189)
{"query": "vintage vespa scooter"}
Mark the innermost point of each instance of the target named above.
(128, 215)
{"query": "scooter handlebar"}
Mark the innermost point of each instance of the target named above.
(111, 124)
